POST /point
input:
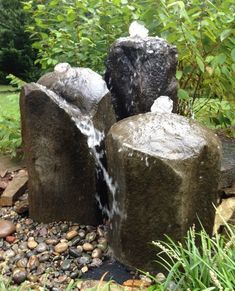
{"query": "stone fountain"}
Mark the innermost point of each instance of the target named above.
(162, 169)
(62, 172)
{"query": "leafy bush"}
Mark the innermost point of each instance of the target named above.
(16, 53)
(200, 263)
(216, 113)
(78, 32)
(81, 32)
(203, 32)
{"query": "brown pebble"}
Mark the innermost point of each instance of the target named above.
(33, 263)
(32, 278)
(18, 227)
(97, 253)
(6, 228)
(87, 247)
(71, 234)
(19, 275)
(51, 241)
(10, 239)
(84, 269)
(32, 244)
(22, 263)
(61, 247)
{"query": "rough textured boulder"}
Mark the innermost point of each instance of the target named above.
(138, 71)
(167, 170)
(62, 171)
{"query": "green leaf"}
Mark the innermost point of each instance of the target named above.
(179, 75)
(209, 59)
(233, 67)
(200, 64)
(182, 94)
(180, 3)
(221, 58)
(225, 34)
(233, 54)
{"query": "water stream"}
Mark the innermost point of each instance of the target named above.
(94, 138)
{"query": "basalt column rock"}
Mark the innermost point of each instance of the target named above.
(140, 69)
(167, 170)
(61, 168)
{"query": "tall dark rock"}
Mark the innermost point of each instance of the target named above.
(167, 171)
(138, 71)
(62, 170)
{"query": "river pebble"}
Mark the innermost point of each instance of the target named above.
(87, 247)
(19, 275)
(48, 254)
(61, 247)
(6, 228)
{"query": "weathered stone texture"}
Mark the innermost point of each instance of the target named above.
(138, 71)
(167, 170)
(62, 171)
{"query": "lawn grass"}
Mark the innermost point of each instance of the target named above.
(10, 136)
(7, 88)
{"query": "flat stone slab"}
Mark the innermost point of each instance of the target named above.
(14, 189)
(9, 165)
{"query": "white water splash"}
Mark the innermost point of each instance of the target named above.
(162, 104)
(138, 30)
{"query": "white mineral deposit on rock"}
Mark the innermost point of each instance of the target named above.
(138, 30)
(62, 67)
(162, 104)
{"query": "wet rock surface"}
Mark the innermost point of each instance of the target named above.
(138, 71)
(62, 171)
(167, 171)
(81, 87)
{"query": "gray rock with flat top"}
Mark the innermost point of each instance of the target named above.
(62, 171)
(167, 171)
(138, 71)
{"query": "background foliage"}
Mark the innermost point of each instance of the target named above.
(16, 53)
(81, 32)
(10, 135)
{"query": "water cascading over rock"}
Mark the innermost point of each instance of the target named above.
(64, 118)
(167, 171)
(140, 69)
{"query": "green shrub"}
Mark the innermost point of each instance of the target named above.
(203, 32)
(78, 32)
(16, 53)
(81, 32)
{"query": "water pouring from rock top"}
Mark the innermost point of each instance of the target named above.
(82, 89)
(140, 68)
(73, 108)
(138, 30)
